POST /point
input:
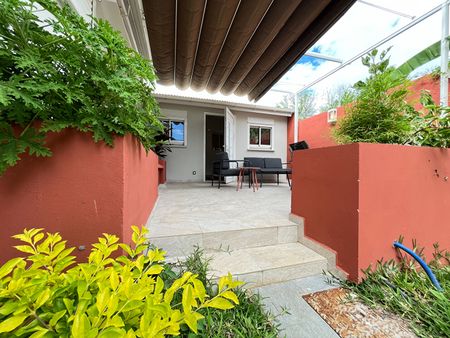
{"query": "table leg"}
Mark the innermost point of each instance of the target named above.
(253, 180)
(238, 178)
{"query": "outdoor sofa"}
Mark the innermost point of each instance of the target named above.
(268, 165)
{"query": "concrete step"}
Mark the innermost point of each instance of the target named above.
(179, 245)
(269, 264)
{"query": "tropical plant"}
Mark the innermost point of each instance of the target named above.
(378, 114)
(403, 288)
(426, 55)
(44, 295)
(63, 72)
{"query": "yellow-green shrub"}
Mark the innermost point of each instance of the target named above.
(42, 296)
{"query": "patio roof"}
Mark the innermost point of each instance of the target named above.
(217, 103)
(235, 46)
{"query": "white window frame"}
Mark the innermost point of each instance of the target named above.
(260, 146)
(177, 143)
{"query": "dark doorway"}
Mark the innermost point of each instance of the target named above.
(214, 141)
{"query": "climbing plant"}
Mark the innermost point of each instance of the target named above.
(63, 72)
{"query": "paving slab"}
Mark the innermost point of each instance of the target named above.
(302, 321)
(190, 208)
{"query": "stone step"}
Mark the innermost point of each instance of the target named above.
(268, 264)
(180, 245)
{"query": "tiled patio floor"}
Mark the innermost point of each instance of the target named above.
(190, 208)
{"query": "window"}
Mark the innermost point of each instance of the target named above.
(260, 137)
(175, 130)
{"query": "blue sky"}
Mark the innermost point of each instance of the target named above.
(315, 62)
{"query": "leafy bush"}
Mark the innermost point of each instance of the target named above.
(65, 73)
(380, 113)
(377, 115)
(247, 319)
(430, 127)
(404, 288)
(42, 296)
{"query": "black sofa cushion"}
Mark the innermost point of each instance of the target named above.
(254, 162)
(273, 163)
(221, 156)
(276, 171)
(227, 172)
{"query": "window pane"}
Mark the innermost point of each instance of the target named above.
(265, 136)
(177, 131)
(254, 135)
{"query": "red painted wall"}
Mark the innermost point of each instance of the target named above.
(82, 191)
(403, 191)
(141, 182)
(325, 193)
(162, 174)
(424, 83)
(358, 198)
(317, 131)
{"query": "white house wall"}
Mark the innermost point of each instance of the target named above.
(183, 161)
(279, 137)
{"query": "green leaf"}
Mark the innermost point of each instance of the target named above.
(8, 307)
(81, 326)
(187, 299)
(219, 303)
(39, 334)
(426, 55)
(57, 316)
(231, 296)
(9, 266)
(114, 279)
(42, 299)
(191, 321)
(112, 332)
(12, 323)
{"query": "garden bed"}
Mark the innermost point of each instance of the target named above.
(351, 318)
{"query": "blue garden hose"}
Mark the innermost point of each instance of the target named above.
(422, 264)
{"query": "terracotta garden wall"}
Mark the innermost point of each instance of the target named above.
(357, 199)
(82, 191)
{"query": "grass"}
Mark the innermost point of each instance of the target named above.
(246, 320)
(403, 288)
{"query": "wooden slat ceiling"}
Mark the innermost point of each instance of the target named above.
(234, 46)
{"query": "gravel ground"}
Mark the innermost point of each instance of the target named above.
(350, 318)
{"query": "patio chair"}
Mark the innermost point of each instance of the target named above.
(222, 169)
